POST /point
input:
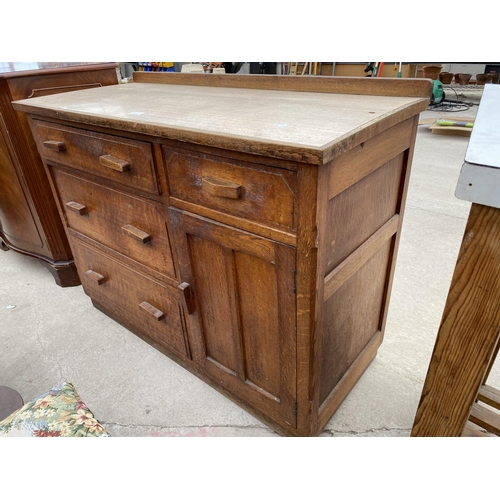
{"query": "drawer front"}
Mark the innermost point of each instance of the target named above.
(126, 161)
(133, 226)
(149, 307)
(264, 196)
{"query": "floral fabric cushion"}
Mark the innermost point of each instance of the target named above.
(58, 413)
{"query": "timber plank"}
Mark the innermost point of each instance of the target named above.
(490, 396)
(485, 418)
(469, 330)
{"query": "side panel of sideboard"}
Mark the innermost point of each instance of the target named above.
(360, 218)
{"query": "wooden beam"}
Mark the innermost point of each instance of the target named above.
(407, 87)
(485, 418)
(468, 333)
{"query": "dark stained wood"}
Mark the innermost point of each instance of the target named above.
(350, 324)
(245, 328)
(128, 224)
(378, 198)
(357, 259)
(308, 209)
(136, 234)
(54, 145)
(266, 274)
(29, 220)
(335, 398)
(369, 156)
(98, 278)
(468, 333)
(408, 87)
(114, 163)
(125, 290)
(221, 188)
(36, 70)
(263, 195)
(121, 160)
(156, 313)
(77, 208)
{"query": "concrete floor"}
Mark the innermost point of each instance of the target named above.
(49, 334)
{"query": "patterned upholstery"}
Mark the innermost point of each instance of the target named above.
(58, 413)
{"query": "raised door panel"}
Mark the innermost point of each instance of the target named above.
(243, 325)
(16, 219)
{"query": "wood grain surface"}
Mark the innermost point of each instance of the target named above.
(247, 228)
(468, 333)
(311, 127)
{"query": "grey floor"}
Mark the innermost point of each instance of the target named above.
(49, 334)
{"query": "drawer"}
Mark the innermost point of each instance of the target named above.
(126, 161)
(262, 195)
(133, 226)
(150, 308)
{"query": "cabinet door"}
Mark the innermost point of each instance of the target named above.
(239, 292)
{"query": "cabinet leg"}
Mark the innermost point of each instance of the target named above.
(64, 276)
(3, 246)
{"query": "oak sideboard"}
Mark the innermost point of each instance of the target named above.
(29, 220)
(246, 226)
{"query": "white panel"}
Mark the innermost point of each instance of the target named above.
(484, 143)
(479, 184)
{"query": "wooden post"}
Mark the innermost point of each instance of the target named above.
(469, 330)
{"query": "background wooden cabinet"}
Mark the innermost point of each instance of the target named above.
(29, 220)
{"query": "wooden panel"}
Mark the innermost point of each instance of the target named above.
(357, 259)
(59, 77)
(115, 219)
(359, 211)
(333, 401)
(245, 318)
(212, 293)
(369, 156)
(133, 296)
(88, 151)
(16, 218)
(258, 306)
(490, 396)
(468, 333)
(485, 418)
(359, 86)
(264, 196)
(306, 289)
(352, 316)
(471, 430)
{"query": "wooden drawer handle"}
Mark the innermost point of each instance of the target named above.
(77, 208)
(98, 278)
(223, 189)
(156, 313)
(187, 297)
(55, 145)
(136, 234)
(114, 163)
